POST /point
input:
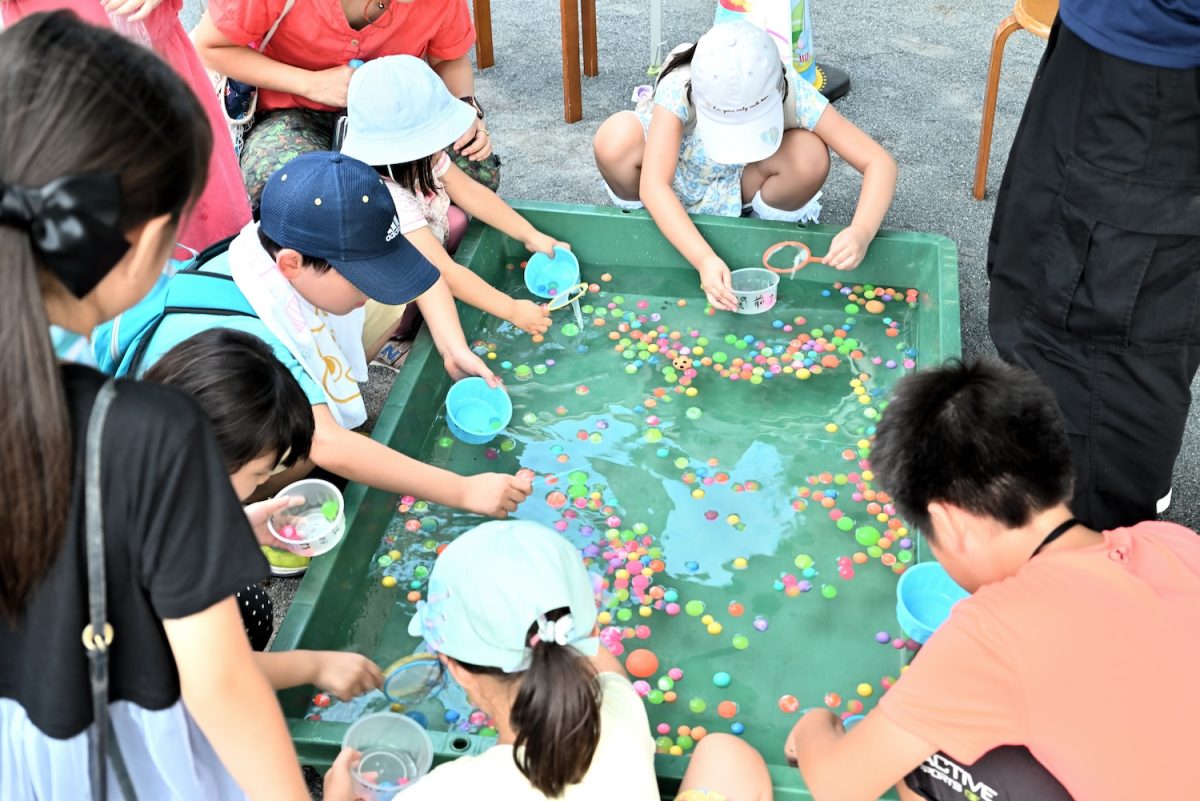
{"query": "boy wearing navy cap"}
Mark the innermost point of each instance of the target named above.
(328, 242)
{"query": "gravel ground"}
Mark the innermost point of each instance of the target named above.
(917, 88)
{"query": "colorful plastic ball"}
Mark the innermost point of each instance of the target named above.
(833, 700)
(741, 642)
(694, 608)
(854, 707)
(789, 704)
(761, 624)
(697, 705)
(721, 679)
(828, 591)
(865, 690)
(642, 663)
(737, 728)
(727, 709)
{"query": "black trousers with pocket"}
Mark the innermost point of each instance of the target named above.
(1094, 263)
(1007, 773)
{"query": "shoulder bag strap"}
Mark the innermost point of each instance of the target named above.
(98, 634)
(267, 39)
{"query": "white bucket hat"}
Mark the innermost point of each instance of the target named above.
(399, 111)
(491, 584)
(737, 82)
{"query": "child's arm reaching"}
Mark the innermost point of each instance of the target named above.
(437, 307)
(359, 458)
(343, 675)
(468, 287)
(658, 173)
(478, 201)
(879, 184)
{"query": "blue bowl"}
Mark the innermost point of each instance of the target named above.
(925, 595)
(475, 412)
(546, 277)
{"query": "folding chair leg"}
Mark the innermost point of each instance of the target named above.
(572, 92)
(999, 39)
(484, 57)
(591, 61)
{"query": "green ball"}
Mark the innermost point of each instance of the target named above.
(666, 683)
(654, 435)
(828, 591)
(867, 536)
(685, 742)
(624, 615)
(697, 705)
(445, 442)
(741, 642)
(487, 731)
(655, 696)
(570, 329)
(694, 608)
(663, 743)
(803, 560)
(330, 510)
(874, 552)
(845, 523)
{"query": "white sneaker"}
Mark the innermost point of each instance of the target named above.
(1164, 503)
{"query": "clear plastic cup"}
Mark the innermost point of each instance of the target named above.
(396, 752)
(313, 527)
(756, 289)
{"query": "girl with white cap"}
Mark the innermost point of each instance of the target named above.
(731, 128)
(512, 614)
(401, 119)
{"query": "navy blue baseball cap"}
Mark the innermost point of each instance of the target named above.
(332, 207)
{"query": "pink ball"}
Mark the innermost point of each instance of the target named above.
(663, 728)
(675, 674)
(642, 632)
(673, 609)
(641, 687)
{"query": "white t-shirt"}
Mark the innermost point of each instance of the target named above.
(417, 211)
(623, 765)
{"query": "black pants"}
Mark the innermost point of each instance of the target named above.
(1094, 262)
(1009, 773)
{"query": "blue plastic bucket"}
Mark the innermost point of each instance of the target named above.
(546, 277)
(475, 412)
(925, 595)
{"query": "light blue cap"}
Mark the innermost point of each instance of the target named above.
(398, 110)
(497, 580)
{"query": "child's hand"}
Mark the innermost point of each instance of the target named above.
(530, 317)
(463, 362)
(259, 513)
(329, 87)
(541, 243)
(346, 675)
(134, 9)
(847, 249)
(495, 494)
(715, 281)
(338, 784)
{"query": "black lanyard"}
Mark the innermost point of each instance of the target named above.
(1055, 534)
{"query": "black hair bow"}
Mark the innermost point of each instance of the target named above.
(73, 224)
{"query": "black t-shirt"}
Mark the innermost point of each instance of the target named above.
(176, 542)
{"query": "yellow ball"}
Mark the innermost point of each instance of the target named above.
(707, 620)
(831, 428)
(675, 750)
(868, 475)
(645, 611)
(394, 555)
(715, 628)
(865, 690)
(697, 493)
(692, 392)
(803, 373)
(604, 618)
(388, 581)
(622, 573)
(741, 563)
(491, 354)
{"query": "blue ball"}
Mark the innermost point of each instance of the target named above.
(452, 716)
(692, 566)
(738, 728)
(420, 718)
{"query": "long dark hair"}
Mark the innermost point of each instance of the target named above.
(254, 403)
(556, 715)
(74, 99)
(415, 176)
(684, 58)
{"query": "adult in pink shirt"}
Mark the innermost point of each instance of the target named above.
(223, 208)
(1079, 645)
(303, 73)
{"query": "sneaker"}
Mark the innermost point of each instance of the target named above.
(285, 563)
(1164, 503)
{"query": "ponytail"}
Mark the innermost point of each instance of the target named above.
(556, 714)
(75, 100)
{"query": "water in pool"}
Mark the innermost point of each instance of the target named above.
(712, 469)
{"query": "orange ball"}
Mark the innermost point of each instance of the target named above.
(641, 663)
(727, 709)
(699, 733)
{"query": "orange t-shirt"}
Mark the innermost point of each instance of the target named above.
(1086, 657)
(316, 36)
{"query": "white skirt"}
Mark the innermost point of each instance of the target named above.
(168, 757)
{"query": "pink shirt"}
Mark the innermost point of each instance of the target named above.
(316, 36)
(1087, 657)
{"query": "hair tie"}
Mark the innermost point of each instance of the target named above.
(553, 631)
(73, 225)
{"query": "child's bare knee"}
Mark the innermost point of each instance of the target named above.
(619, 141)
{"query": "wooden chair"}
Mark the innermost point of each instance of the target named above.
(570, 14)
(1035, 16)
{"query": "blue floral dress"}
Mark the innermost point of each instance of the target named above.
(703, 185)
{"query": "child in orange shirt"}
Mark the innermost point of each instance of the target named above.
(1065, 633)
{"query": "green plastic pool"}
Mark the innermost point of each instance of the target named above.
(711, 467)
